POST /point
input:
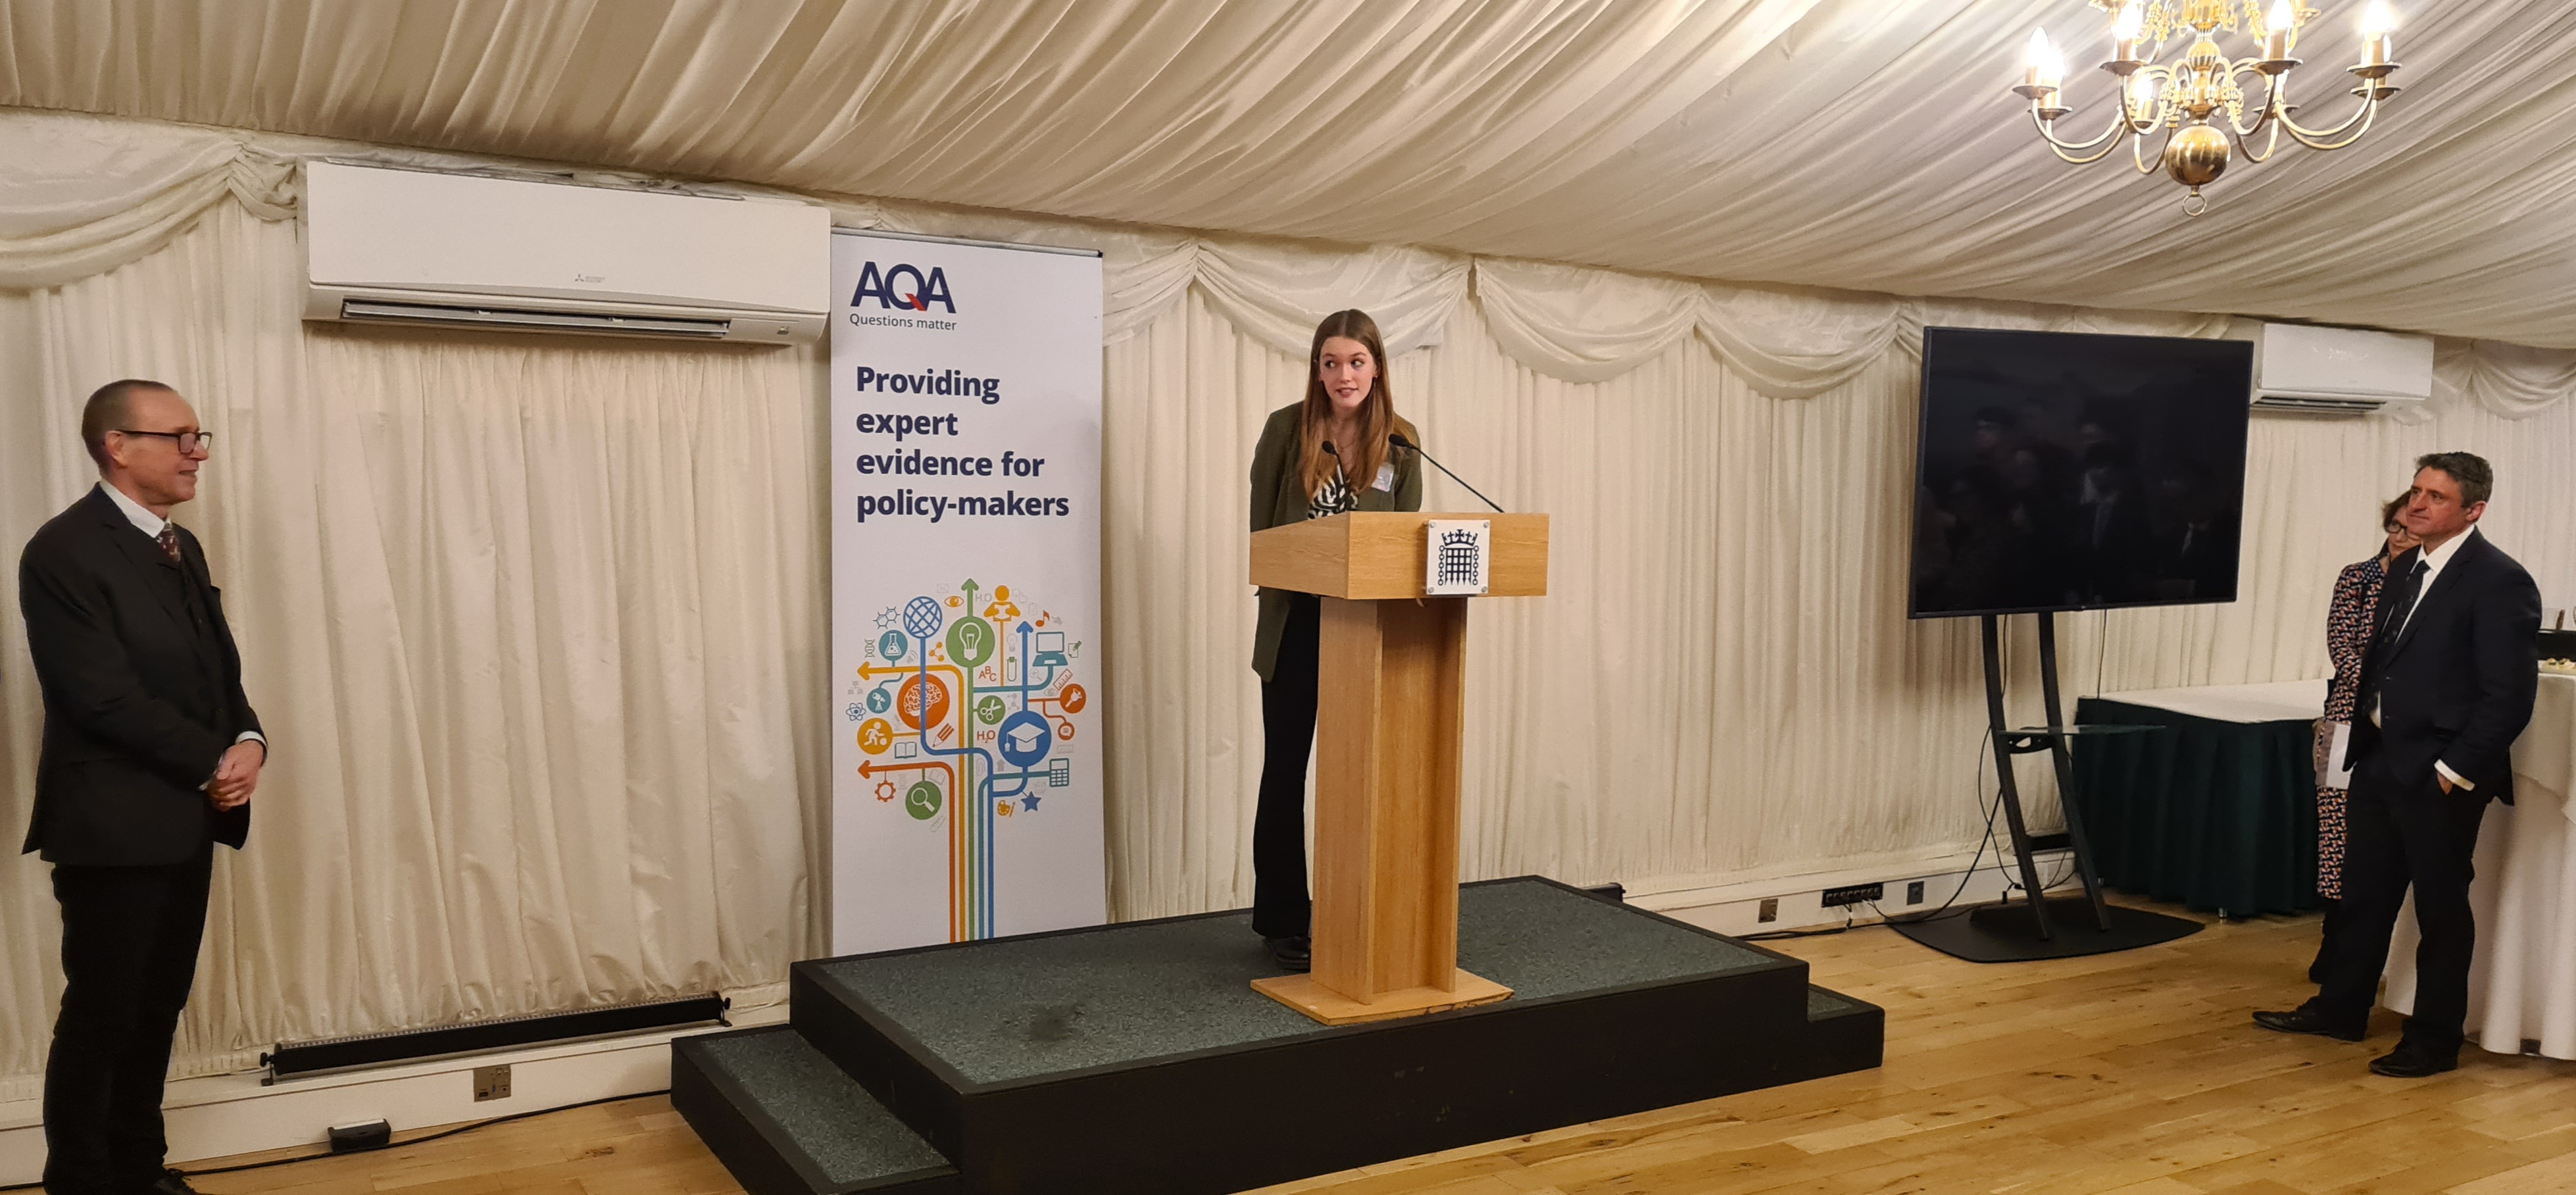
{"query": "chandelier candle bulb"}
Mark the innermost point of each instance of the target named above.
(2124, 33)
(2276, 30)
(2045, 69)
(2378, 22)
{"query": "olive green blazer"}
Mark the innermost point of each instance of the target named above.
(1278, 499)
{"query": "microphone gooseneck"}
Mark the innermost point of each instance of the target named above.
(1399, 440)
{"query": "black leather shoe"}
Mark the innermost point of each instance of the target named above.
(1295, 954)
(171, 1182)
(2410, 1062)
(2302, 1020)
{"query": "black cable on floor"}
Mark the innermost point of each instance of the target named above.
(440, 1135)
(1993, 807)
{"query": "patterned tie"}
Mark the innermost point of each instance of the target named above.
(169, 541)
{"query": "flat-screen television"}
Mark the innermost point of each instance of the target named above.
(2060, 471)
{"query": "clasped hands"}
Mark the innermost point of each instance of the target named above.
(237, 774)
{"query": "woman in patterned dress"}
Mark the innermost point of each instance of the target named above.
(2348, 619)
(1330, 453)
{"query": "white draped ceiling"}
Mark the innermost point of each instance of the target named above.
(1860, 144)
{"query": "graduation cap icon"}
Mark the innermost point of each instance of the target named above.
(1024, 739)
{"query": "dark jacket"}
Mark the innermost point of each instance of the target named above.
(1278, 499)
(142, 689)
(2461, 676)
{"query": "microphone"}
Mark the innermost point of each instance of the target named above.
(1398, 439)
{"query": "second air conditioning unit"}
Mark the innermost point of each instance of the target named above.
(2307, 370)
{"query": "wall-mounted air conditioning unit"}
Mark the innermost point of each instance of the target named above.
(2307, 370)
(422, 248)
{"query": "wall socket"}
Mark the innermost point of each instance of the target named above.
(1770, 910)
(1914, 892)
(1856, 894)
(492, 1082)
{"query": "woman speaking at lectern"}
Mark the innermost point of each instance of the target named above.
(1322, 456)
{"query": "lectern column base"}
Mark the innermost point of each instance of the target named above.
(1302, 993)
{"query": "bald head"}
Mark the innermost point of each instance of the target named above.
(112, 407)
(146, 441)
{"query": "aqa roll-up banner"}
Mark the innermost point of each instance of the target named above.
(966, 758)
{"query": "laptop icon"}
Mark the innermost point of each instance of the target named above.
(1050, 650)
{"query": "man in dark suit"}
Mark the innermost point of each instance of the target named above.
(151, 753)
(2446, 686)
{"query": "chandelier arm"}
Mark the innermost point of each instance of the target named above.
(2271, 109)
(2081, 153)
(2336, 138)
(2138, 153)
(2244, 140)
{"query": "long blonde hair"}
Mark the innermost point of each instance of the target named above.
(1360, 462)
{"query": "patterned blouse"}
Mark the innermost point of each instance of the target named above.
(2356, 595)
(1336, 497)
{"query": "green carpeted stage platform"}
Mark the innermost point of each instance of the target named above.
(1137, 1058)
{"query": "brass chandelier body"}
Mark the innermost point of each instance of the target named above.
(2199, 102)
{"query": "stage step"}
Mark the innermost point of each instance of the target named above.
(786, 1121)
(1843, 1034)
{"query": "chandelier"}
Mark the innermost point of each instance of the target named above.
(2200, 102)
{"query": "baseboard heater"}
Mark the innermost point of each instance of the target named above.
(291, 1059)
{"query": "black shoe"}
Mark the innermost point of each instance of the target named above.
(2303, 1020)
(1295, 954)
(171, 1182)
(2408, 1061)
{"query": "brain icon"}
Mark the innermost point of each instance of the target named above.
(921, 616)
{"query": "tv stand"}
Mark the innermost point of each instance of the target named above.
(2008, 742)
(2037, 927)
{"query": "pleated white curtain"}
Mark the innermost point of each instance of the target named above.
(1721, 683)
(540, 624)
(537, 626)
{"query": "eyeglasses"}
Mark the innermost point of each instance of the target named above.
(189, 443)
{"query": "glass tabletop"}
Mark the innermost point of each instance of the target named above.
(2082, 729)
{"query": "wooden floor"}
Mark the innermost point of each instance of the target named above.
(2135, 1073)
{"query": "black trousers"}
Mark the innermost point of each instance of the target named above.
(1280, 905)
(2402, 832)
(130, 937)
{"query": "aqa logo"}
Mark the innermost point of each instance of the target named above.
(903, 288)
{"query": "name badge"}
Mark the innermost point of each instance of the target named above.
(1386, 476)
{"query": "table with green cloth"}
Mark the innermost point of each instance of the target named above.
(2216, 809)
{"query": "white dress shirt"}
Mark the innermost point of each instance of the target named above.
(2432, 562)
(151, 524)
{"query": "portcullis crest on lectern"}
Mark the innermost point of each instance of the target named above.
(1454, 564)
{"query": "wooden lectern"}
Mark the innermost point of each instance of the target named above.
(1389, 717)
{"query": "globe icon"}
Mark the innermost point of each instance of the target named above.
(921, 617)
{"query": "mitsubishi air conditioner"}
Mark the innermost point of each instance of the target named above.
(2307, 370)
(394, 246)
